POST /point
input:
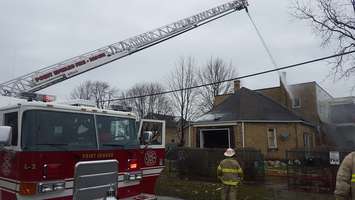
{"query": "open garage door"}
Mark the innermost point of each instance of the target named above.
(215, 138)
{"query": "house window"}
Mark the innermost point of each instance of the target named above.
(307, 140)
(271, 138)
(296, 102)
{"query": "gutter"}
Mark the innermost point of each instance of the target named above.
(231, 123)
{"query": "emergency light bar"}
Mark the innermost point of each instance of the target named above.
(121, 108)
(30, 96)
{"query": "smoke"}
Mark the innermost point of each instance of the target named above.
(286, 86)
(338, 121)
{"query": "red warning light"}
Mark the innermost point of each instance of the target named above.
(48, 98)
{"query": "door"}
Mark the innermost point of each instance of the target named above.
(152, 153)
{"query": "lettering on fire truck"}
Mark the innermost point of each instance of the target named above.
(68, 68)
(96, 155)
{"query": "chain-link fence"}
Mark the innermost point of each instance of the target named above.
(201, 164)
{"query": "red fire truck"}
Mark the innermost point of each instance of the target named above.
(55, 151)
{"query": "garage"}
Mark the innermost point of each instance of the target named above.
(215, 138)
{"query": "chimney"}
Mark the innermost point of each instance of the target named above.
(236, 85)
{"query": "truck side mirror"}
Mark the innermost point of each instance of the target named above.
(5, 135)
(147, 137)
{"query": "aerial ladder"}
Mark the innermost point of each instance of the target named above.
(48, 76)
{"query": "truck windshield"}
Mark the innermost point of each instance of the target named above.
(57, 131)
(116, 132)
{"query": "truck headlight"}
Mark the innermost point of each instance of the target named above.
(132, 177)
(138, 176)
(44, 188)
(50, 187)
(59, 186)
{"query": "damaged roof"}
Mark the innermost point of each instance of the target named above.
(248, 105)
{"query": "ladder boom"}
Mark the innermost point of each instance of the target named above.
(59, 72)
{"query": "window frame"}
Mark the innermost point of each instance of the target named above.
(163, 134)
(22, 144)
(202, 136)
(12, 144)
(274, 133)
(299, 105)
(309, 137)
(101, 145)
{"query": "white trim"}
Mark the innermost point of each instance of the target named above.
(346, 124)
(152, 171)
(127, 184)
(152, 146)
(65, 193)
(10, 180)
(8, 185)
(274, 136)
(69, 184)
(202, 141)
(151, 175)
(235, 123)
(6, 190)
(272, 121)
(68, 108)
(217, 124)
(155, 167)
(243, 134)
(120, 178)
(189, 144)
(142, 196)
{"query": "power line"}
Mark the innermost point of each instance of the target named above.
(236, 78)
(263, 42)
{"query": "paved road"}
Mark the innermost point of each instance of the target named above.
(168, 198)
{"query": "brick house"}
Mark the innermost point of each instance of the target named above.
(249, 118)
(334, 118)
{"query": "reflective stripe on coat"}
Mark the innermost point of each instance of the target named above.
(230, 172)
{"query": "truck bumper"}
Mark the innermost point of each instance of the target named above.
(142, 197)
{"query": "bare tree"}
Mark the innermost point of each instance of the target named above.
(148, 104)
(215, 71)
(98, 91)
(184, 76)
(83, 91)
(334, 22)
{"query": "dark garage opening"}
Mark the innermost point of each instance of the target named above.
(215, 138)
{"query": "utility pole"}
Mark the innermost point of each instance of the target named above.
(353, 2)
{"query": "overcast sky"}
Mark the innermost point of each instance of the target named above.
(38, 33)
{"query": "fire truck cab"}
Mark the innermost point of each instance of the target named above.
(53, 151)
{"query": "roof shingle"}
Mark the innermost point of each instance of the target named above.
(246, 105)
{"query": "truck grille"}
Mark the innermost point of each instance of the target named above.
(94, 179)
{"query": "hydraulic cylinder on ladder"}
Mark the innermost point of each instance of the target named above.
(59, 72)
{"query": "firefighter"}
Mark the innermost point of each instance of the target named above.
(230, 173)
(345, 182)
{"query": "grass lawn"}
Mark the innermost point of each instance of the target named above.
(198, 190)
